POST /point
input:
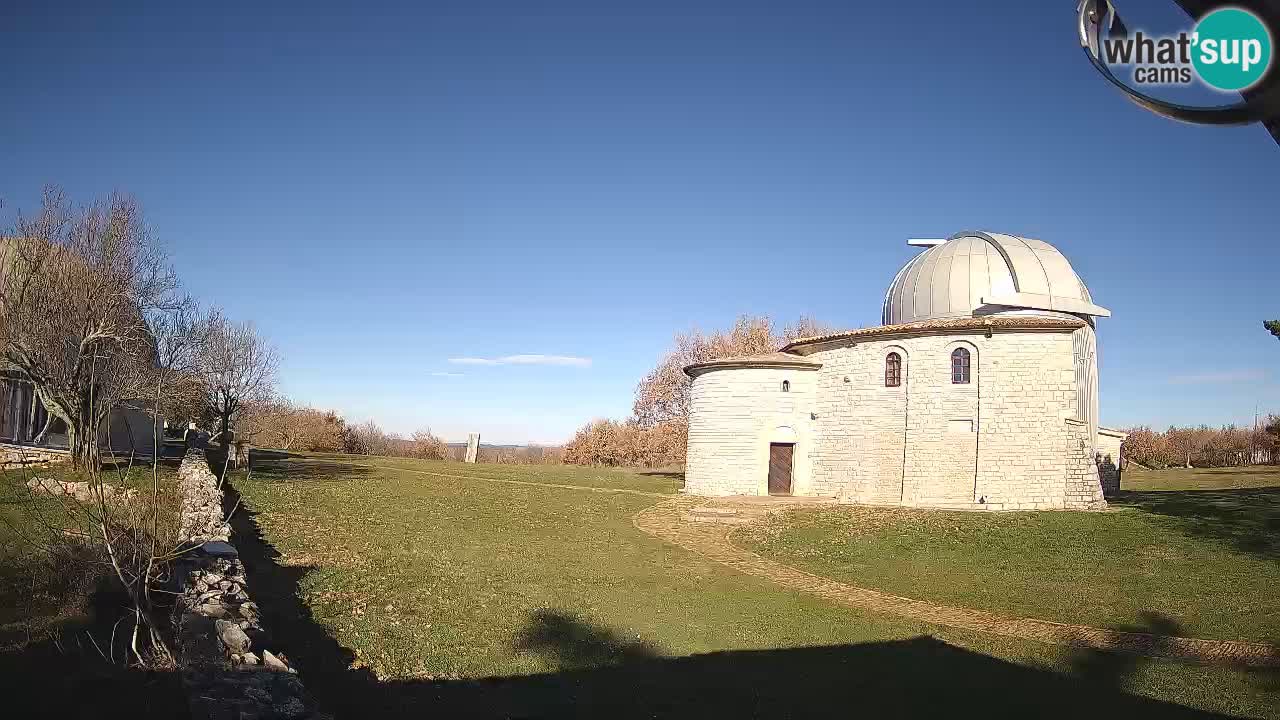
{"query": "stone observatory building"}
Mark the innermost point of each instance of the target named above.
(978, 391)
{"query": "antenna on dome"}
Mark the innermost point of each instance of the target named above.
(925, 242)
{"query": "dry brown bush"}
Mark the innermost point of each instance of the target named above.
(628, 444)
(285, 425)
(1202, 446)
(426, 445)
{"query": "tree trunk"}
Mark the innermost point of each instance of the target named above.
(83, 442)
(224, 427)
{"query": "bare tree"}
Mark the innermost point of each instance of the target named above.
(663, 395)
(76, 287)
(286, 425)
(237, 366)
(130, 532)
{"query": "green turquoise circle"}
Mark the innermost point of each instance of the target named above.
(1234, 37)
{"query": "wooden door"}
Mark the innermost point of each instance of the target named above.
(780, 468)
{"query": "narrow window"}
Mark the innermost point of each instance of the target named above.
(786, 386)
(960, 366)
(893, 370)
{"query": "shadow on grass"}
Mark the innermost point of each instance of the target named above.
(566, 642)
(282, 466)
(1105, 669)
(601, 673)
(674, 475)
(59, 661)
(119, 464)
(1246, 519)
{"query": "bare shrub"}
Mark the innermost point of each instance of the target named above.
(1203, 446)
(367, 438)
(426, 445)
(627, 444)
(282, 424)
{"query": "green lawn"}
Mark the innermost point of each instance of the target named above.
(423, 582)
(59, 604)
(35, 530)
(1201, 548)
(662, 482)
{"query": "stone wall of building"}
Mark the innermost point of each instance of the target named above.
(227, 668)
(1082, 489)
(15, 456)
(860, 431)
(994, 443)
(1110, 449)
(734, 414)
(943, 422)
(1028, 392)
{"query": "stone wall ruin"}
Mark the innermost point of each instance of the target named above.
(227, 668)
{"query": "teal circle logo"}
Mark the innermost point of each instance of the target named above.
(1231, 49)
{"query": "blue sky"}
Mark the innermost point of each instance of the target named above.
(384, 190)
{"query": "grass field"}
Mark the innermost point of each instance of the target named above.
(1200, 547)
(403, 587)
(59, 605)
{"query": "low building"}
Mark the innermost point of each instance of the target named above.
(978, 391)
(27, 434)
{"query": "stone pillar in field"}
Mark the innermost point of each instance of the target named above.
(473, 446)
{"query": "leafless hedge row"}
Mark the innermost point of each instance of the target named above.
(1204, 446)
(628, 444)
(526, 455)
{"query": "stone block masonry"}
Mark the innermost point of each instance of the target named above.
(227, 668)
(1083, 490)
(1005, 437)
(17, 456)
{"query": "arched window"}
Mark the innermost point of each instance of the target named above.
(960, 366)
(893, 370)
(786, 386)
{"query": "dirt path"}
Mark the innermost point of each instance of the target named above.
(711, 540)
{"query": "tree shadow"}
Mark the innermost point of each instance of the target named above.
(64, 635)
(599, 672)
(279, 466)
(566, 642)
(675, 476)
(1245, 519)
(1109, 669)
(119, 464)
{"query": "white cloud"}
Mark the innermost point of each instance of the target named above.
(446, 374)
(560, 360)
(1224, 376)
